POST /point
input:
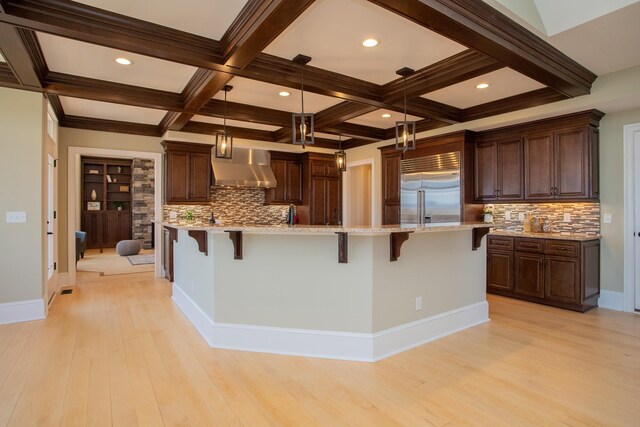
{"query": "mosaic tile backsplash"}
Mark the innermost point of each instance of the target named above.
(233, 205)
(585, 217)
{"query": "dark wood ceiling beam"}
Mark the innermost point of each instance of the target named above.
(478, 26)
(104, 91)
(341, 112)
(55, 103)
(7, 78)
(109, 126)
(92, 25)
(354, 131)
(18, 46)
(427, 108)
(513, 103)
(257, 25)
(247, 113)
(455, 69)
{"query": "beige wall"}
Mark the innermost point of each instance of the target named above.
(86, 138)
(612, 196)
(359, 195)
(21, 190)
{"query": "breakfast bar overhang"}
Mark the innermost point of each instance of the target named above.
(309, 291)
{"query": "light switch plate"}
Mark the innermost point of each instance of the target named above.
(567, 217)
(607, 218)
(16, 217)
(507, 215)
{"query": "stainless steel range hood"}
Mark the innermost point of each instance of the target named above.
(247, 168)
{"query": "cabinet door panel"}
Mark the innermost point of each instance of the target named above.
(200, 176)
(391, 214)
(333, 213)
(112, 228)
(529, 274)
(124, 226)
(500, 271)
(278, 193)
(594, 162)
(294, 182)
(318, 197)
(486, 161)
(318, 168)
(571, 157)
(177, 183)
(539, 171)
(562, 279)
(391, 176)
(510, 158)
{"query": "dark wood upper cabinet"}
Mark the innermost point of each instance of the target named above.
(538, 166)
(287, 168)
(391, 186)
(187, 172)
(552, 159)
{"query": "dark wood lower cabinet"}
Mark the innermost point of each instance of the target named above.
(167, 250)
(529, 274)
(106, 228)
(562, 273)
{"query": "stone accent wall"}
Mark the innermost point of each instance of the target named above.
(233, 205)
(142, 192)
(585, 217)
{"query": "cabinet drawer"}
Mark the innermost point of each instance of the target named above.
(529, 245)
(500, 243)
(562, 247)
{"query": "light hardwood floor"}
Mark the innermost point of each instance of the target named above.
(109, 263)
(118, 352)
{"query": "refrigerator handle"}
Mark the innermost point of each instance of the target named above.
(420, 207)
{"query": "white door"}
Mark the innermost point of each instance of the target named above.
(636, 221)
(50, 219)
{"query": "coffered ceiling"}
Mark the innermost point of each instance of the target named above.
(183, 54)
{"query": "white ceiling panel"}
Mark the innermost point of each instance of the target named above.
(375, 119)
(252, 92)
(237, 123)
(97, 62)
(207, 18)
(504, 82)
(332, 31)
(2, 58)
(109, 111)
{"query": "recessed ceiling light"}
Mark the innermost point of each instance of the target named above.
(483, 85)
(284, 93)
(386, 115)
(370, 43)
(124, 61)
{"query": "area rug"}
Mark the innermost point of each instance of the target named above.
(141, 259)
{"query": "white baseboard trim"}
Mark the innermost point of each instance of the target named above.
(329, 344)
(611, 300)
(22, 311)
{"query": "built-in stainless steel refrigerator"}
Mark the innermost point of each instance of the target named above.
(430, 189)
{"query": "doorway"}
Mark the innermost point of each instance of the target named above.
(632, 218)
(75, 199)
(359, 194)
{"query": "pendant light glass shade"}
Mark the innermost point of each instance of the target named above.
(224, 140)
(341, 158)
(302, 123)
(405, 129)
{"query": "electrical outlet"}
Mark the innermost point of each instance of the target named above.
(16, 217)
(173, 215)
(507, 215)
(567, 217)
(607, 218)
(418, 303)
(521, 216)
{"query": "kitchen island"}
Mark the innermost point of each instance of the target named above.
(347, 293)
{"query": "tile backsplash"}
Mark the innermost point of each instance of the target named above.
(585, 217)
(233, 205)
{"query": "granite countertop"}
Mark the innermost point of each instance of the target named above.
(328, 229)
(557, 236)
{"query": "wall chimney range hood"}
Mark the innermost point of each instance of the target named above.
(247, 168)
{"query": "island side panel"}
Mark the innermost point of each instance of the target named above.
(440, 267)
(193, 272)
(294, 281)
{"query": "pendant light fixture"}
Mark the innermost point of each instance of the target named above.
(303, 122)
(341, 158)
(405, 130)
(224, 140)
